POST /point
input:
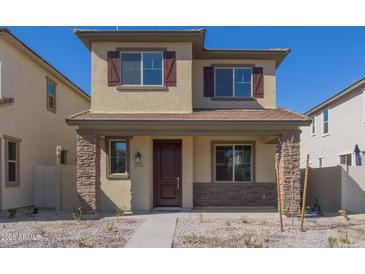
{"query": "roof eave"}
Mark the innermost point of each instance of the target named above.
(99, 122)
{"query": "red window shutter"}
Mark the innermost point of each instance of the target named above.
(113, 68)
(169, 67)
(208, 81)
(258, 82)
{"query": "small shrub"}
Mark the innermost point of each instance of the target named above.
(250, 243)
(119, 211)
(332, 241)
(35, 210)
(190, 238)
(109, 228)
(228, 223)
(12, 212)
(243, 220)
(344, 238)
(40, 231)
(77, 214)
(201, 217)
(344, 214)
(82, 244)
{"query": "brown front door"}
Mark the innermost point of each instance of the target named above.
(167, 172)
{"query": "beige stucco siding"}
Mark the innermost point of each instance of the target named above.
(269, 100)
(136, 193)
(346, 118)
(110, 99)
(28, 119)
(264, 157)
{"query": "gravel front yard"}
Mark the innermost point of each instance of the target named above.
(49, 229)
(256, 231)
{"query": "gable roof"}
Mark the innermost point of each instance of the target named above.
(4, 32)
(336, 97)
(195, 36)
(198, 116)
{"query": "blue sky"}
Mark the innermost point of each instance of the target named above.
(323, 61)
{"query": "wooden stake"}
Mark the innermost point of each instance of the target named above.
(304, 194)
(279, 192)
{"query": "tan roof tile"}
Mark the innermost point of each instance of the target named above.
(243, 115)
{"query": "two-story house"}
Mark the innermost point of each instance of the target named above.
(173, 124)
(336, 134)
(35, 99)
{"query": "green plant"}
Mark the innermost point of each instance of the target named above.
(12, 212)
(201, 217)
(109, 228)
(344, 214)
(82, 244)
(77, 214)
(344, 238)
(243, 220)
(250, 243)
(40, 231)
(190, 238)
(119, 211)
(332, 241)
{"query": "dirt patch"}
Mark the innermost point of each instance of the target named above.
(49, 229)
(257, 232)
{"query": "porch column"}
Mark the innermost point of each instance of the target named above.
(88, 171)
(289, 172)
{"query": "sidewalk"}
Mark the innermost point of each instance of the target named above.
(157, 231)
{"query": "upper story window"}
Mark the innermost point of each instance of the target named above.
(142, 68)
(51, 95)
(325, 121)
(233, 82)
(313, 125)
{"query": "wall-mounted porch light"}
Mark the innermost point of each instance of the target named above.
(138, 158)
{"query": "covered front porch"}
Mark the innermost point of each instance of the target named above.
(204, 159)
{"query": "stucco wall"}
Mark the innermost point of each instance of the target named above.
(346, 129)
(136, 193)
(264, 157)
(269, 100)
(353, 189)
(110, 99)
(28, 119)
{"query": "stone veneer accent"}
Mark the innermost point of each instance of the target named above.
(88, 171)
(289, 173)
(234, 194)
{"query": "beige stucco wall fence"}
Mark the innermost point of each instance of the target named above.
(55, 187)
(337, 188)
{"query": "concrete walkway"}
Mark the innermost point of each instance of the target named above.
(157, 231)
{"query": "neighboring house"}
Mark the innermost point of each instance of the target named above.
(338, 125)
(35, 99)
(173, 124)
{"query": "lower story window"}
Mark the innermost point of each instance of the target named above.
(12, 161)
(233, 163)
(118, 156)
(346, 159)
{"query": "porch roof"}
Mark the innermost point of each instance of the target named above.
(198, 116)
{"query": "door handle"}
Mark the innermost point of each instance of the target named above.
(178, 183)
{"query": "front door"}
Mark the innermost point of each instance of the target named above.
(167, 173)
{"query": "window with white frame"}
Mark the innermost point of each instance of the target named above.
(232, 163)
(325, 121)
(142, 68)
(233, 82)
(118, 156)
(12, 162)
(346, 159)
(313, 125)
(51, 95)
